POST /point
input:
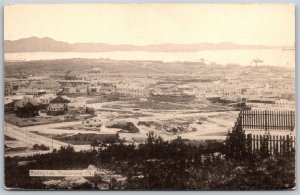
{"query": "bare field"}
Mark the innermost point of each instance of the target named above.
(192, 124)
(165, 106)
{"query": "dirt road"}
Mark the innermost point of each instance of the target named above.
(29, 139)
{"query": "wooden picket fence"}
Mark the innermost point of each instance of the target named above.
(275, 144)
(265, 122)
(268, 120)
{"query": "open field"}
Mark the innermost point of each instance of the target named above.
(133, 120)
(165, 106)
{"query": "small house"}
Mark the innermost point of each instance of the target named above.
(45, 100)
(58, 105)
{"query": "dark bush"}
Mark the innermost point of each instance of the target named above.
(40, 147)
(127, 126)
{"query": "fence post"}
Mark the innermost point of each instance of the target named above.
(256, 145)
(274, 141)
(260, 138)
(249, 143)
(276, 144)
(292, 121)
(280, 145)
(288, 144)
(266, 121)
(294, 144)
(284, 145)
(270, 144)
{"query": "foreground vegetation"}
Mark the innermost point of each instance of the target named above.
(160, 165)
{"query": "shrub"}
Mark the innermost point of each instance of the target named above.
(40, 147)
(127, 126)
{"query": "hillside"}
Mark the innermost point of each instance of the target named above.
(139, 68)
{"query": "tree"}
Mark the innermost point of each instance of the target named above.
(264, 150)
(236, 142)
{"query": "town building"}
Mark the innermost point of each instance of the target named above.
(73, 88)
(285, 103)
(58, 105)
(169, 92)
(48, 85)
(81, 90)
(44, 100)
(134, 90)
(96, 89)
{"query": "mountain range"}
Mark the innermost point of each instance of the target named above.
(46, 44)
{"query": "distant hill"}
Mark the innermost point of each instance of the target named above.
(34, 44)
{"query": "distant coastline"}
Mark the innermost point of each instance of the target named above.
(209, 57)
(46, 44)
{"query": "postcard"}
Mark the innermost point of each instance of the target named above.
(149, 97)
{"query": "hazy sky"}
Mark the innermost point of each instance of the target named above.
(268, 24)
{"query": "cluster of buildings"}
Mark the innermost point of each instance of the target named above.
(45, 92)
(248, 90)
(30, 106)
(36, 86)
(171, 92)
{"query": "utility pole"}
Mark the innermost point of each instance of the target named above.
(256, 61)
(27, 136)
(52, 140)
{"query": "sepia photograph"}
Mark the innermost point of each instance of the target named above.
(164, 97)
